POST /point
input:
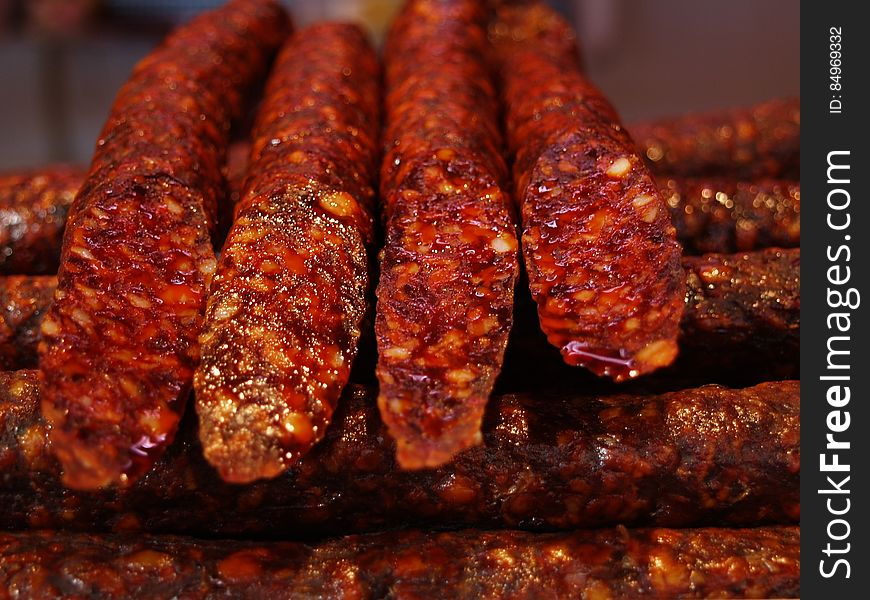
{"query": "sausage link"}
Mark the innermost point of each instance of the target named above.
(709, 455)
(749, 301)
(600, 251)
(745, 143)
(449, 263)
(532, 22)
(119, 344)
(24, 301)
(33, 211)
(741, 325)
(724, 215)
(610, 563)
(284, 315)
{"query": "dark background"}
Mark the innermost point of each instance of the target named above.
(62, 61)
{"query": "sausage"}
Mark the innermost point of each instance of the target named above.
(600, 251)
(745, 143)
(286, 306)
(709, 455)
(752, 311)
(724, 215)
(531, 22)
(33, 210)
(749, 301)
(741, 325)
(610, 563)
(449, 262)
(24, 300)
(119, 344)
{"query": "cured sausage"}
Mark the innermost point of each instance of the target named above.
(550, 460)
(449, 262)
(601, 255)
(741, 325)
(611, 563)
(33, 211)
(284, 315)
(24, 301)
(531, 22)
(119, 344)
(749, 301)
(724, 215)
(745, 143)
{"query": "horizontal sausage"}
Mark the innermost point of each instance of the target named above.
(23, 302)
(33, 211)
(449, 262)
(749, 308)
(285, 311)
(600, 251)
(724, 215)
(611, 563)
(709, 455)
(741, 325)
(746, 143)
(119, 344)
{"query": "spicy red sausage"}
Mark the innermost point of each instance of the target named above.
(449, 261)
(119, 345)
(610, 563)
(33, 212)
(725, 215)
(601, 254)
(24, 300)
(747, 143)
(550, 460)
(285, 312)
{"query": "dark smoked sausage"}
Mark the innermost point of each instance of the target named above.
(120, 341)
(33, 212)
(745, 143)
(449, 263)
(600, 250)
(24, 301)
(285, 311)
(725, 215)
(470, 564)
(709, 455)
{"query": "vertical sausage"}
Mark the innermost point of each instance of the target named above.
(449, 262)
(120, 341)
(24, 301)
(747, 143)
(610, 563)
(550, 460)
(33, 211)
(725, 215)
(284, 316)
(600, 251)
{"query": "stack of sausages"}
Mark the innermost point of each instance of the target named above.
(448, 350)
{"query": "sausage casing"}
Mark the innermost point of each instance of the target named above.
(745, 143)
(33, 212)
(610, 563)
(550, 460)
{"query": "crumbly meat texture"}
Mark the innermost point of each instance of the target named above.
(600, 251)
(449, 262)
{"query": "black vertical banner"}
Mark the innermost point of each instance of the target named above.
(835, 369)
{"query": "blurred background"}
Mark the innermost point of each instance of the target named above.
(62, 61)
